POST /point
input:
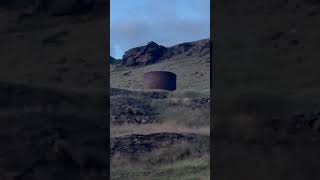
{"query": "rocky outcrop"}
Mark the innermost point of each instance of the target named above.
(152, 52)
(134, 107)
(143, 55)
(198, 48)
(128, 110)
(136, 143)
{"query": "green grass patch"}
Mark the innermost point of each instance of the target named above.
(189, 93)
(191, 169)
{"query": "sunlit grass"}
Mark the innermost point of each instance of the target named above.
(191, 169)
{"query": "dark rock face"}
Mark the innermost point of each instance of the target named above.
(152, 52)
(137, 143)
(143, 55)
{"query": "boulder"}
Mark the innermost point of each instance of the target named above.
(153, 53)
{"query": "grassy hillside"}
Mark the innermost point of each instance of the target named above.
(146, 113)
(193, 73)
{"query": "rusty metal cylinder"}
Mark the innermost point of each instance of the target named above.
(160, 80)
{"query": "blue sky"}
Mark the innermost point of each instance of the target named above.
(167, 22)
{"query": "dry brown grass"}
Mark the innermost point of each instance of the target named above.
(192, 73)
(179, 151)
(191, 169)
(178, 112)
(178, 162)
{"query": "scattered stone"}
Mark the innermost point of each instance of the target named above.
(127, 110)
(136, 144)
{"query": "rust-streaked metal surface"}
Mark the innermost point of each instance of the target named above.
(160, 80)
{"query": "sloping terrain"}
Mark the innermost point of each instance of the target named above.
(151, 130)
(189, 61)
(157, 128)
